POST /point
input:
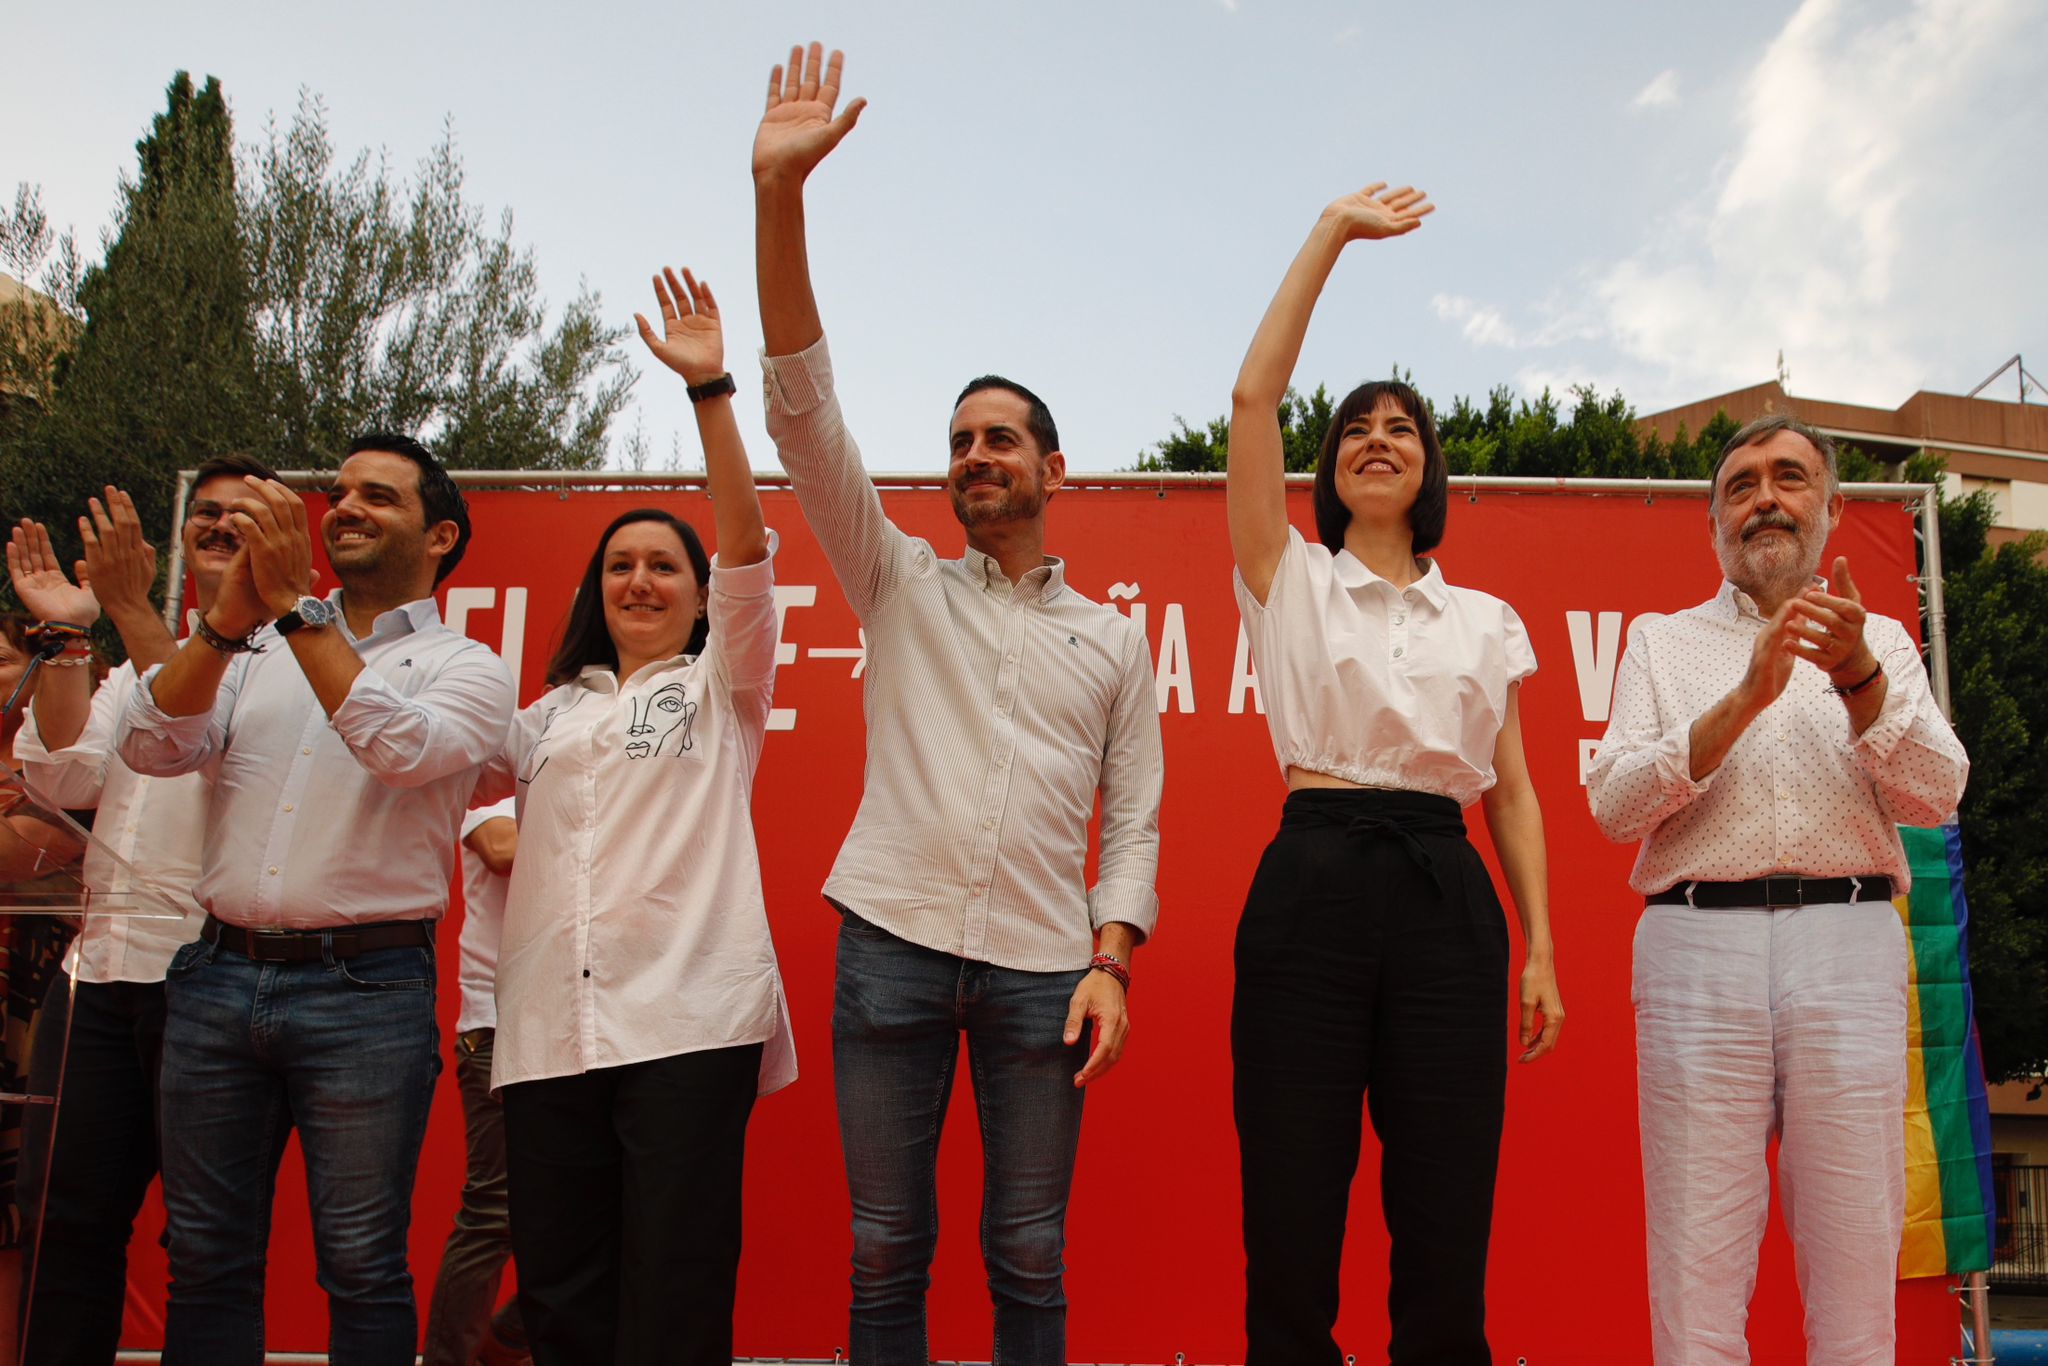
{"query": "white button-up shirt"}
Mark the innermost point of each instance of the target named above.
(635, 927)
(1382, 686)
(319, 823)
(1799, 792)
(154, 825)
(995, 715)
(483, 925)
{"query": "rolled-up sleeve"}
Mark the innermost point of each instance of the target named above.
(1641, 774)
(868, 554)
(73, 776)
(1909, 752)
(1133, 777)
(152, 741)
(458, 720)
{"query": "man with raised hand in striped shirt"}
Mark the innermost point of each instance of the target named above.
(1000, 703)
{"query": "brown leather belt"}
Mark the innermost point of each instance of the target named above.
(1775, 892)
(311, 946)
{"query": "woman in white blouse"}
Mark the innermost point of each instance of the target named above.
(1372, 957)
(640, 1010)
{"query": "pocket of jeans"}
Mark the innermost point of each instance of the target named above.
(405, 969)
(859, 928)
(189, 959)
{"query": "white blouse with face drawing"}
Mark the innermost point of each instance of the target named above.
(634, 923)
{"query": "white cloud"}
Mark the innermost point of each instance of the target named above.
(1822, 232)
(1659, 93)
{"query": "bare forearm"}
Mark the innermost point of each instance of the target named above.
(189, 682)
(782, 268)
(144, 635)
(1119, 939)
(735, 506)
(1516, 820)
(1717, 730)
(63, 704)
(1276, 346)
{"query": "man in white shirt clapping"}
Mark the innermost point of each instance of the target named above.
(1000, 703)
(1764, 746)
(99, 1175)
(348, 732)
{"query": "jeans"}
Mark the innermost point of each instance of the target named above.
(473, 1261)
(626, 1208)
(346, 1051)
(1372, 966)
(104, 1160)
(897, 1012)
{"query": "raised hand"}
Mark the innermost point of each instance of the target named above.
(799, 127)
(120, 565)
(692, 343)
(39, 580)
(1376, 211)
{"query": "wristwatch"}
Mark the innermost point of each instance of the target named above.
(310, 611)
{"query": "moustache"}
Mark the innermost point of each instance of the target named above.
(1768, 521)
(219, 540)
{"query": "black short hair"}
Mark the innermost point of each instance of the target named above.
(439, 496)
(586, 640)
(1432, 500)
(1038, 421)
(233, 465)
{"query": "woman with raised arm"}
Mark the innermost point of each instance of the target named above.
(1372, 957)
(640, 1009)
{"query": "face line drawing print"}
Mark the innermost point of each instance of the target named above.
(672, 701)
(547, 725)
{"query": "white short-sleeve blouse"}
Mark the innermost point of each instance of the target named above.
(1386, 687)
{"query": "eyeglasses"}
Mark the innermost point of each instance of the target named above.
(205, 514)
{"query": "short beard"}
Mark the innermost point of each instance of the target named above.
(1771, 570)
(1015, 505)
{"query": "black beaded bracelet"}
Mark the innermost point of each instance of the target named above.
(226, 645)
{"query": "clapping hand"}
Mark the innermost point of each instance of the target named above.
(271, 520)
(692, 343)
(799, 127)
(1376, 211)
(39, 580)
(119, 564)
(1827, 630)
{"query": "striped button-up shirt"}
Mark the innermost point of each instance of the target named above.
(995, 714)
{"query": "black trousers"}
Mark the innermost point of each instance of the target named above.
(625, 1204)
(1372, 969)
(105, 1158)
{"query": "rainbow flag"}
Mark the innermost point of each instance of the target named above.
(1948, 1120)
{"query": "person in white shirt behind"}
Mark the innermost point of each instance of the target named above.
(1764, 746)
(1372, 957)
(348, 733)
(640, 1008)
(100, 1173)
(465, 1325)
(1000, 703)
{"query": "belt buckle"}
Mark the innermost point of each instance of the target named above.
(1782, 891)
(269, 946)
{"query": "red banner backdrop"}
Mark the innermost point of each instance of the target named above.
(1154, 1259)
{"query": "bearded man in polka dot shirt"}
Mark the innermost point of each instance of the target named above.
(1764, 746)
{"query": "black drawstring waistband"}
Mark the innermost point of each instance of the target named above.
(1367, 814)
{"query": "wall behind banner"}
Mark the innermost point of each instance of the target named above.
(1154, 1259)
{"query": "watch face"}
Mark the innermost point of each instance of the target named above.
(316, 611)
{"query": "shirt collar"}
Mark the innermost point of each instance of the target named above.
(1731, 602)
(1043, 583)
(1353, 573)
(416, 615)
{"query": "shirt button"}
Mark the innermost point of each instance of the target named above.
(1002, 712)
(1397, 652)
(1400, 621)
(1010, 658)
(1002, 763)
(586, 972)
(273, 870)
(307, 750)
(287, 806)
(988, 824)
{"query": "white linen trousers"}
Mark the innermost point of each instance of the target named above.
(1751, 1022)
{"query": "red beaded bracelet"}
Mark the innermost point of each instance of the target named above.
(1114, 966)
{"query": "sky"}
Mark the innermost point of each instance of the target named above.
(1098, 199)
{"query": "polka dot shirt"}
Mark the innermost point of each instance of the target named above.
(1799, 792)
